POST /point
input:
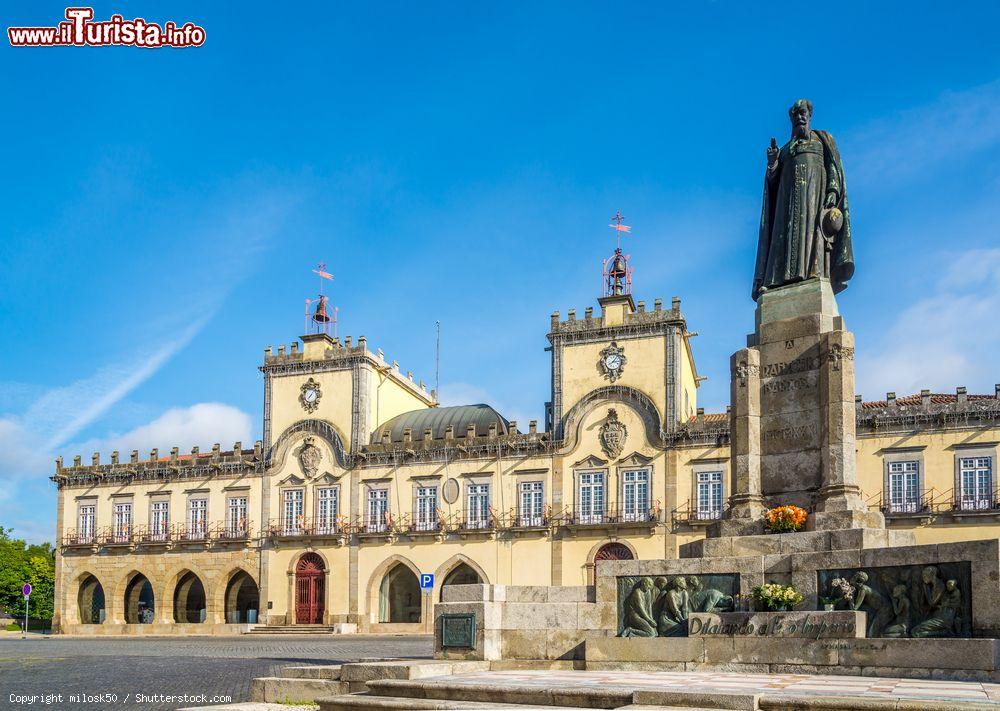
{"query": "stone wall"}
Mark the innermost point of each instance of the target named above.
(524, 622)
(164, 570)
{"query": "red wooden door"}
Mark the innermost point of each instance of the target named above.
(309, 590)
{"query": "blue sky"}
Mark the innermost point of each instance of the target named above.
(459, 162)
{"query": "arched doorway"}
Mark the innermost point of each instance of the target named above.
(614, 551)
(310, 576)
(461, 574)
(90, 601)
(189, 599)
(139, 602)
(242, 599)
(399, 596)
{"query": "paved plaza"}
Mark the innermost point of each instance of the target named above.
(194, 665)
(793, 684)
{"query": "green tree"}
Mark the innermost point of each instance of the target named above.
(20, 564)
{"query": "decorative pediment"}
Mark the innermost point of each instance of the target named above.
(590, 461)
(292, 480)
(635, 460)
(327, 478)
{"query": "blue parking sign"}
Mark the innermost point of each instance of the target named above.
(427, 581)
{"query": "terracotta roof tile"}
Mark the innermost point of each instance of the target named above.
(936, 399)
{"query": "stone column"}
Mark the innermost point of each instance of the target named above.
(839, 503)
(746, 504)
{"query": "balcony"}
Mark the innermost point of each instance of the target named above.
(79, 539)
(232, 531)
(302, 527)
(981, 503)
(153, 535)
(187, 533)
(691, 516)
(116, 536)
(611, 519)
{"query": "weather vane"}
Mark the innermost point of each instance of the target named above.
(618, 227)
(319, 321)
(616, 271)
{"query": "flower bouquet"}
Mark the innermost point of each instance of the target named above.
(785, 519)
(772, 596)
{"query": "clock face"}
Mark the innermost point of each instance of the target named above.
(612, 362)
(310, 395)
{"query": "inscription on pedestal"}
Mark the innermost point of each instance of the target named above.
(807, 625)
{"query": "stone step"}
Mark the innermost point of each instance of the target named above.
(448, 690)
(292, 629)
(368, 702)
(362, 672)
(598, 697)
(273, 689)
(312, 671)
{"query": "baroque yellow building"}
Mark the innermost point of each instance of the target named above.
(362, 484)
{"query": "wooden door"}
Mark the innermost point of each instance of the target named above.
(309, 590)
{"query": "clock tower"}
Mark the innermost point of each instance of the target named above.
(624, 352)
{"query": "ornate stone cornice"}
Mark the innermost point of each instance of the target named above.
(158, 471)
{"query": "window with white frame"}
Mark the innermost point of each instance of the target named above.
(197, 518)
(426, 513)
(478, 509)
(159, 520)
(904, 486)
(590, 495)
(635, 495)
(86, 523)
(293, 510)
(976, 483)
(236, 516)
(122, 528)
(377, 510)
(708, 495)
(327, 509)
(532, 504)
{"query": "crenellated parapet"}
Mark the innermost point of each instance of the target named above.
(641, 319)
(325, 353)
(927, 409)
(956, 410)
(236, 462)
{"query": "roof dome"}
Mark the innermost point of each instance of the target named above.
(437, 420)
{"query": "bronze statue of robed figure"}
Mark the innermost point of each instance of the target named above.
(805, 223)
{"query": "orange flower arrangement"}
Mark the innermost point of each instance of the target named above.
(784, 519)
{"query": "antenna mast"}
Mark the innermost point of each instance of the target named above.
(437, 360)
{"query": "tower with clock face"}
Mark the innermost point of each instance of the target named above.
(626, 351)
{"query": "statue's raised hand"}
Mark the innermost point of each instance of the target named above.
(772, 153)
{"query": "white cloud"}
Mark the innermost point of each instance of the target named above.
(26, 464)
(199, 425)
(957, 125)
(946, 339)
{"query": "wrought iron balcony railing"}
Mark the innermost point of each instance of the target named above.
(301, 526)
(972, 501)
(84, 537)
(611, 516)
(190, 532)
(153, 534)
(232, 530)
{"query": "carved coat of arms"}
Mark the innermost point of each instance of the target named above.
(613, 434)
(309, 457)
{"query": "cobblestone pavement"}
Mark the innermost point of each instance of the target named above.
(126, 667)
